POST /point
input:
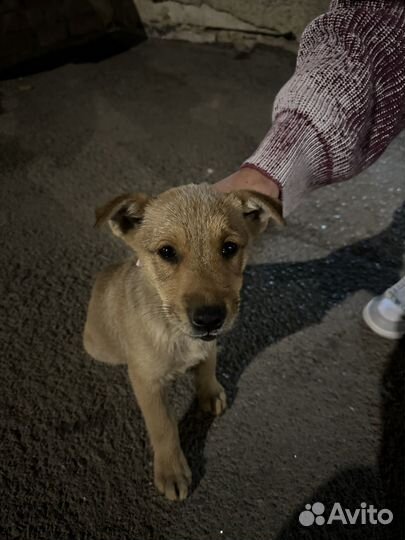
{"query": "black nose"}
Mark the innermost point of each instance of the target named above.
(208, 318)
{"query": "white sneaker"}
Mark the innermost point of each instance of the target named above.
(385, 314)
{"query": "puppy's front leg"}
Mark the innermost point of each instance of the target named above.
(210, 392)
(171, 472)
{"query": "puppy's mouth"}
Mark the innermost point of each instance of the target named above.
(209, 336)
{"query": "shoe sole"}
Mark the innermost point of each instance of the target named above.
(389, 334)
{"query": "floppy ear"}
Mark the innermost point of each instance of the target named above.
(124, 213)
(258, 209)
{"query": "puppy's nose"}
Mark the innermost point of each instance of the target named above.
(208, 318)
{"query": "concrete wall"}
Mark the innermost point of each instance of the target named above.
(30, 28)
(243, 22)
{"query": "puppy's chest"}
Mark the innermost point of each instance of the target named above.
(183, 355)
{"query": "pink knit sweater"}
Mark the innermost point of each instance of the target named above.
(344, 103)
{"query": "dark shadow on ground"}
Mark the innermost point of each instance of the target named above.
(383, 487)
(294, 296)
(392, 450)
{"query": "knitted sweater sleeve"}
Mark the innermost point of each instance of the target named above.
(344, 103)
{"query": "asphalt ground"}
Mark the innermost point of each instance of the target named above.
(316, 399)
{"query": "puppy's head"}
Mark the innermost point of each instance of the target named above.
(192, 243)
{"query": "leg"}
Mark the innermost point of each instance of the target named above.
(210, 392)
(171, 471)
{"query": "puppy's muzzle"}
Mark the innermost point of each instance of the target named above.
(207, 320)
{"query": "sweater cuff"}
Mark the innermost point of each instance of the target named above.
(294, 155)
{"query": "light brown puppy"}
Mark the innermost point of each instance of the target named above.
(161, 312)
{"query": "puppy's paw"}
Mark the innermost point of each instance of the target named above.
(213, 400)
(172, 476)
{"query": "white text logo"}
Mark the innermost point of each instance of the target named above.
(367, 514)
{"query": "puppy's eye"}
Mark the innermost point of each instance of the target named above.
(229, 249)
(168, 253)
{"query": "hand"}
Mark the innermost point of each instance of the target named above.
(248, 178)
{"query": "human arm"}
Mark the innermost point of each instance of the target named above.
(341, 108)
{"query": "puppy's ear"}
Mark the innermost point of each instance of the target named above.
(258, 209)
(124, 213)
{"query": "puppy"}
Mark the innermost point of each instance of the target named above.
(162, 311)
